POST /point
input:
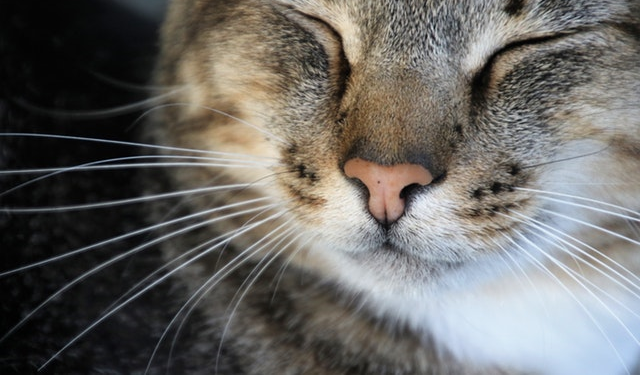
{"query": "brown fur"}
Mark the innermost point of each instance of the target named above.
(496, 99)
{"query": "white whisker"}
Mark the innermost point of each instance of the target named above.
(120, 143)
(521, 272)
(286, 263)
(623, 209)
(587, 224)
(148, 287)
(214, 110)
(130, 166)
(586, 280)
(586, 254)
(127, 235)
(211, 282)
(122, 256)
(188, 253)
(254, 274)
(569, 292)
(204, 162)
(97, 114)
(252, 278)
(206, 190)
(100, 165)
(145, 88)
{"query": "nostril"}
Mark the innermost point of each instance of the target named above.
(409, 190)
(387, 185)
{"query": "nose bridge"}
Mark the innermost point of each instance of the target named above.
(394, 119)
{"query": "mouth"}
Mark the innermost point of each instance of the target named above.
(389, 247)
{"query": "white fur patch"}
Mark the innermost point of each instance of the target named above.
(539, 328)
(531, 323)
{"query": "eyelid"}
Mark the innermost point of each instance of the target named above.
(330, 39)
(533, 40)
(322, 29)
(539, 39)
(486, 68)
(481, 78)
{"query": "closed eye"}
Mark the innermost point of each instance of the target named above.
(482, 79)
(331, 41)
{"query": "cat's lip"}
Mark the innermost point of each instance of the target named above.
(390, 249)
(404, 264)
(388, 246)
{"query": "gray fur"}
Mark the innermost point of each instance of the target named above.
(394, 82)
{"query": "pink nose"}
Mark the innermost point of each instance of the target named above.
(385, 185)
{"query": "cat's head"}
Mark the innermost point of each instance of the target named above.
(412, 144)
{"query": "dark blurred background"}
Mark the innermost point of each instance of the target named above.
(58, 60)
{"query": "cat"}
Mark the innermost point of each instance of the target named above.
(406, 187)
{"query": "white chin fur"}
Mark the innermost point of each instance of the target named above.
(543, 328)
(529, 323)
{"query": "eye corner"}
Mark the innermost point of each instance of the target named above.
(480, 82)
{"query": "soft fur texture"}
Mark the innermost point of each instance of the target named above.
(521, 256)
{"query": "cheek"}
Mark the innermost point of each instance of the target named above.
(337, 209)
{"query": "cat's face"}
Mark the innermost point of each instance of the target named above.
(510, 107)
